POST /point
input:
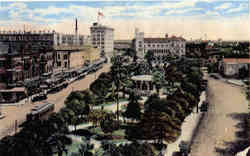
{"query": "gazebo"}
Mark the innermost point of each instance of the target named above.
(143, 85)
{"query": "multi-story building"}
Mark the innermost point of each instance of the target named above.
(17, 66)
(122, 44)
(174, 46)
(230, 67)
(44, 38)
(102, 37)
(75, 57)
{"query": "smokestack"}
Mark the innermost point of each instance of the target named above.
(76, 25)
(76, 33)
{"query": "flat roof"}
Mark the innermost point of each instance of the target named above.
(142, 78)
(64, 47)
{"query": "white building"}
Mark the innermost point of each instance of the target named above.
(102, 37)
(230, 66)
(174, 46)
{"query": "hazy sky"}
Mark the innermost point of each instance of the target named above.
(188, 18)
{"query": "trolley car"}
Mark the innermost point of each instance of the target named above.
(41, 111)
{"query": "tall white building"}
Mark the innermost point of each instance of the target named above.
(174, 46)
(102, 37)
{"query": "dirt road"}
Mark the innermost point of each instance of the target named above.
(19, 112)
(218, 129)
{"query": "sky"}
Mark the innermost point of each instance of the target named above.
(206, 19)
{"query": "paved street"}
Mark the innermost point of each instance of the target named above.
(19, 112)
(219, 124)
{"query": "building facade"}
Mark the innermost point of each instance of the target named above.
(230, 67)
(45, 38)
(102, 37)
(19, 66)
(173, 46)
(75, 57)
(122, 44)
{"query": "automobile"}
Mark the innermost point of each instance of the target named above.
(39, 97)
(2, 116)
(215, 76)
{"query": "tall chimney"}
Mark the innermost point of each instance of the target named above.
(76, 34)
(76, 26)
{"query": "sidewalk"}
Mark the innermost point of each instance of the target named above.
(243, 153)
(187, 128)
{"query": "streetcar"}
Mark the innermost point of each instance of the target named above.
(41, 111)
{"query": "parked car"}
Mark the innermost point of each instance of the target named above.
(215, 77)
(39, 97)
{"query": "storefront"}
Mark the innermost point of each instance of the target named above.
(12, 95)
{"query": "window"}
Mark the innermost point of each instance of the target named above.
(58, 56)
(59, 63)
(65, 57)
(65, 64)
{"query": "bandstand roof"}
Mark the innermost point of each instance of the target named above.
(142, 78)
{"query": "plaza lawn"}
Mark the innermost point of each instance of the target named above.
(118, 133)
(113, 102)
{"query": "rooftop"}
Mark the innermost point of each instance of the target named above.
(63, 47)
(142, 78)
(173, 38)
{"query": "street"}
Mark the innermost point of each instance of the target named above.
(220, 125)
(18, 113)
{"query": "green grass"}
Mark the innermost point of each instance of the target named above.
(113, 102)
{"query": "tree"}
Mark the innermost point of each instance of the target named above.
(102, 85)
(133, 109)
(131, 149)
(149, 57)
(158, 80)
(76, 103)
(68, 115)
(151, 101)
(109, 125)
(89, 98)
(58, 123)
(74, 95)
(118, 71)
(243, 72)
(85, 149)
(159, 125)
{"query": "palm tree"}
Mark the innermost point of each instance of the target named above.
(117, 72)
(158, 80)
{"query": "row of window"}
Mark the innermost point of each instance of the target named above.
(97, 43)
(59, 64)
(24, 37)
(162, 45)
(65, 56)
